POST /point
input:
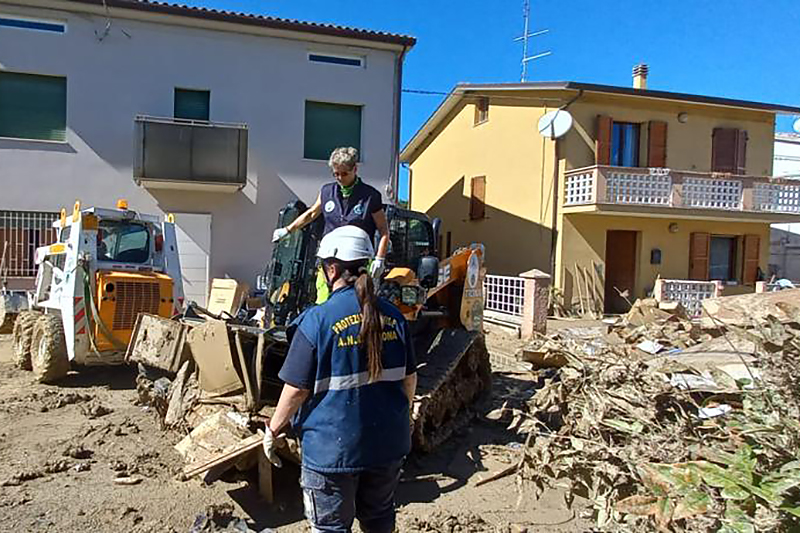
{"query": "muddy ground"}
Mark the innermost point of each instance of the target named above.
(61, 449)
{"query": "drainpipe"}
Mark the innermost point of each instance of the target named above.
(394, 178)
(556, 189)
(410, 177)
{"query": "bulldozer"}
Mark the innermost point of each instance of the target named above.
(107, 266)
(441, 299)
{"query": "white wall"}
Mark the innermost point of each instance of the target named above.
(785, 238)
(262, 81)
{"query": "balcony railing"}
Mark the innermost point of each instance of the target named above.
(662, 187)
(187, 154)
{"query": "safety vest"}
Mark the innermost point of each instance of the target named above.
(349, 424)
(355, 210)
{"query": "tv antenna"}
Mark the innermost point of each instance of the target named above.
(526, 34)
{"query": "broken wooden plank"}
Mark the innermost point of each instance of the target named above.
(226, 458)
(265, 478)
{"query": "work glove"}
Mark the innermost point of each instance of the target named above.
(279, 234)
(270, 444)
(376, 268)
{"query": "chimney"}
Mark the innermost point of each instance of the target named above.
(640, 76)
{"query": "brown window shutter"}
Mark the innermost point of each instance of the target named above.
(477, 204)
(602, 143)
(724, 145)
(750, 257)
(741, 152)
(699, 249)
(657, 144)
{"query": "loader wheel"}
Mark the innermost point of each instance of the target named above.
(49, 350)
(23, 335)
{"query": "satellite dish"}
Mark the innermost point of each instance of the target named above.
(796, 126)
(555, 124)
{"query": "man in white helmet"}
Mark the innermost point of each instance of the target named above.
(350, 376)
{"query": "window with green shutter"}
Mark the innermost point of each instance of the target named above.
(191, 104)
(329, 126)
(33, 106)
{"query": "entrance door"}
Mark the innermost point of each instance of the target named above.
(193, 233)
(620, 269)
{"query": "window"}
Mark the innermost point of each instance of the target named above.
(328, 126)
(481, 111)
(410, 239)
(349, 61)
(192, 104)
(33, 106)
(126, 242)
(477, 200)
(722, 259)
(21, 232)
(32, 24)
(625, 144)
(728, 150)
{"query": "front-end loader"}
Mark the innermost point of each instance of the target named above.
(443, 301)
(107, 266)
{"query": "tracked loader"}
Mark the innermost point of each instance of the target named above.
(107, 266)
(442, 300)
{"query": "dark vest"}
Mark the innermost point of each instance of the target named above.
(355, 210)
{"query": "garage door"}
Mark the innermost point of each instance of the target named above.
(193, 232)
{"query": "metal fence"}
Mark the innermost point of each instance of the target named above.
(504, 294)
(21, 232)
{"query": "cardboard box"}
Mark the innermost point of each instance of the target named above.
(227, 296)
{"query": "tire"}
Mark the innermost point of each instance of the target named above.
(49, 359)
(23, 335)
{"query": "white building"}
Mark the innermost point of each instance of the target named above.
(220, 118)
(785, 238)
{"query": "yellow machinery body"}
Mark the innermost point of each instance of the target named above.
(121, 296)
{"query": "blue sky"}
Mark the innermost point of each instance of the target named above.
(731, 48)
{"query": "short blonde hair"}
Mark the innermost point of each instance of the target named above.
(345, 156)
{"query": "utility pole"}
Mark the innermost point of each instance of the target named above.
(526, 15)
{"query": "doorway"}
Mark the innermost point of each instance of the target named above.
(620, 270)
(193, 233)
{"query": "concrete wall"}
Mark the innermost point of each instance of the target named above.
(259, 80)
(583, 241)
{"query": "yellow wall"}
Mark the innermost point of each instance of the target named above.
(688, 144)
(517, 163)
(584, 241)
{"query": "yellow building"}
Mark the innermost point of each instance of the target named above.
(643, 184)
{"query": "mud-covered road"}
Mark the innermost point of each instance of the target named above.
(84, 457)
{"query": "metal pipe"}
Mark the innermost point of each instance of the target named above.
(394, 177)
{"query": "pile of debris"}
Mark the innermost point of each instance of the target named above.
(203, 373)
(664, 423)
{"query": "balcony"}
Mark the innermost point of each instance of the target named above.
(189, 155)
(671, 193)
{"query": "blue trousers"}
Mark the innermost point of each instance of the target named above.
(333, 501)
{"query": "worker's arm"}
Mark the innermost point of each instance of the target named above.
(290, 401)
(410, 386)
(379, 217)
(309, 216)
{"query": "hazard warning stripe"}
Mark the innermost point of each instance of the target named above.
(79, 315)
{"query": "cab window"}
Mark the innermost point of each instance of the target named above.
(123, 241)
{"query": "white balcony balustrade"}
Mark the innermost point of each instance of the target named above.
(659, 187)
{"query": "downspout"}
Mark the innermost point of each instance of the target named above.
(394, 178)
(410, 177)
(556, 188)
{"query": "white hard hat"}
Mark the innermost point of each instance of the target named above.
(348, 243)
